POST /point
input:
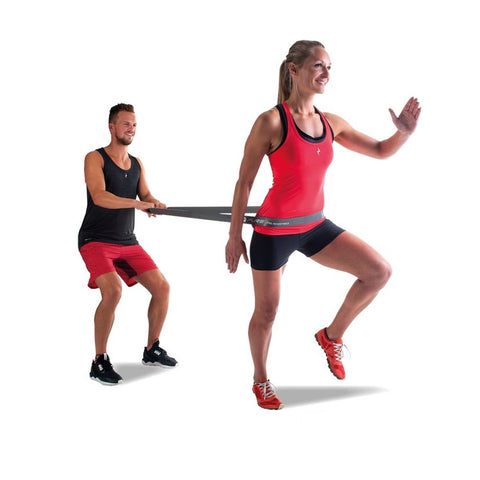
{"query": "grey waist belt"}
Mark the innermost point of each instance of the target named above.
(223, 214)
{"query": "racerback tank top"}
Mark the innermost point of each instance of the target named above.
(299, 166)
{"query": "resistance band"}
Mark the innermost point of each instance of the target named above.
(223, 214)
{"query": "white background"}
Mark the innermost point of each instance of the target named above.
(199, 73)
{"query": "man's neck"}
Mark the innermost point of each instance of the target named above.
(117, 151)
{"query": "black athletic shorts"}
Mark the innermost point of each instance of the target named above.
(271, 252)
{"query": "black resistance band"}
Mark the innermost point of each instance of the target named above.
(223, 214)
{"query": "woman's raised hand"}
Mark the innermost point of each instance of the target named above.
(406, 122)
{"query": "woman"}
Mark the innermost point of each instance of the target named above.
(298, 140)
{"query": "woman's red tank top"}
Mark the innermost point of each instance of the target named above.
(299, 166)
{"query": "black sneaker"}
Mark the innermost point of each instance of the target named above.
(157, 356)
(103, 372)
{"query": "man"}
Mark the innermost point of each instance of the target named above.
(108, 244)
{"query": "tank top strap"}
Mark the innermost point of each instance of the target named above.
(289, 117)
(132, 158)
(105, 156)
(326, 123)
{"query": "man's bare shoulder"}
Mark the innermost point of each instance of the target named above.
(94, 159)
(93, 154)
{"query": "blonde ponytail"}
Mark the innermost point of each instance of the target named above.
(284, 83)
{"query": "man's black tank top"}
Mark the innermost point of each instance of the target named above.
(112, 225)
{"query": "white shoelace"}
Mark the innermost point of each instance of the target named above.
(267, 388)
(339, 349)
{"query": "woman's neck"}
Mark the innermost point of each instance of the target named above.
(302, 105)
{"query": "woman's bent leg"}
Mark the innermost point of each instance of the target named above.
(350, 254)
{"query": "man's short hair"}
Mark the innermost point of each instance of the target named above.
(121, 107)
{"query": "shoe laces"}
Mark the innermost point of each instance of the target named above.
(339, 351)
(267, 389)
(159, 351)
(104, 360)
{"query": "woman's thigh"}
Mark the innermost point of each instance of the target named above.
(267, 286)
(350, 254)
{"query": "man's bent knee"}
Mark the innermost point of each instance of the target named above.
(110, 288)
(155, 283)
(162, 288)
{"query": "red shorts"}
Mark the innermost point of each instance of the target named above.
(127, 260)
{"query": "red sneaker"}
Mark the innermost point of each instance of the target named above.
(266, 398)
(334, 352)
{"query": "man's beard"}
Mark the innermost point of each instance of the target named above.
(125, 140)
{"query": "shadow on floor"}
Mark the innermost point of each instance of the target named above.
(296, 396)
(134, 371)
